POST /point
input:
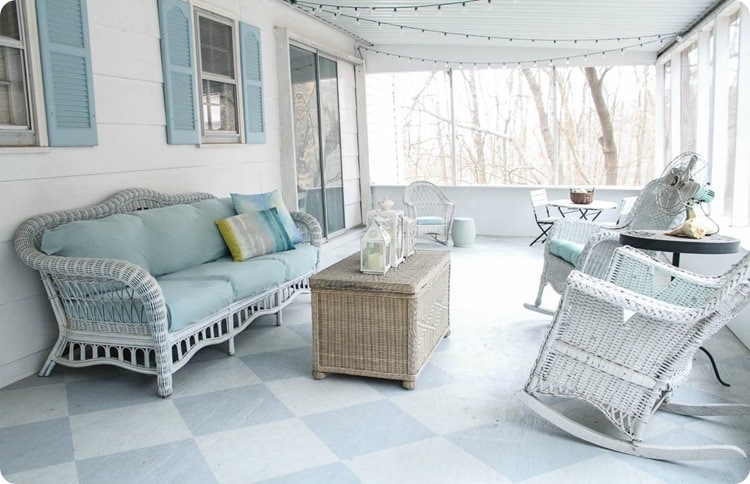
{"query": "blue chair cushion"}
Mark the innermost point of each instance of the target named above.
(246, 278)
(430, 221)
(568, 251)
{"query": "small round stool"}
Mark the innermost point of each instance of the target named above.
(464, 232)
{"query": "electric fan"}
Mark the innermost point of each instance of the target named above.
(681, 190)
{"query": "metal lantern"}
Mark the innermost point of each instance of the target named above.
(393, 223)
(375, 248)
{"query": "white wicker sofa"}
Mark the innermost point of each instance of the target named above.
(190, 294)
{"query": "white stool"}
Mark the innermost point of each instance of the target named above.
(464, 232)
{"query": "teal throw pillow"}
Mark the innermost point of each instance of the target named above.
(254, 233)
(265, 201)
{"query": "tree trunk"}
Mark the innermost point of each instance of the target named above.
(536, 91)
(607, 139)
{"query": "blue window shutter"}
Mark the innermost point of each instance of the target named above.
(176, 25)
(67, 78)
(252, 81)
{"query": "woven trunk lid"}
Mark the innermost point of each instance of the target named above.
(408, 278)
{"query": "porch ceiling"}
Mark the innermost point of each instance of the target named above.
(495, 31)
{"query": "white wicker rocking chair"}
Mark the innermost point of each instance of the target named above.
(433, 211)
(628, 366)
(644, 215)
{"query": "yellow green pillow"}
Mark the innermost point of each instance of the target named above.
(254, 233)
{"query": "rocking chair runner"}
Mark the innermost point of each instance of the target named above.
(627, 366)
(643, 215)
(431, 208)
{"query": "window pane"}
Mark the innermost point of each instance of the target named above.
(219, 113)
(13, 107)
(9, 21)
(216, 47)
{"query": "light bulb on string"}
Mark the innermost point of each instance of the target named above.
(439, 9)
(489, 4)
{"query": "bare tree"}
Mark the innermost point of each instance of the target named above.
(607, 137)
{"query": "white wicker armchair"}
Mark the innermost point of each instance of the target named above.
(644, 215)
(624, 344)
(433, 211)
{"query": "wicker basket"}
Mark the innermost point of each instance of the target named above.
(581, 196)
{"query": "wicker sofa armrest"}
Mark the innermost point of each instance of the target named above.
(309, 227)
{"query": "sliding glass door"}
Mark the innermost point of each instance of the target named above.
(317, 138)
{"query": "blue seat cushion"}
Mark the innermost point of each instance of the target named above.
(246, 278)
(297, 262)
(430, 221)
(568, 251)
(189, 301)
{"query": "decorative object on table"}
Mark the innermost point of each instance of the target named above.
(624, 344)
(582, 196)
(393, 223)
(375, 248)
(431, 208)
(682, 190)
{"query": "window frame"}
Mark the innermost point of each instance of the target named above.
(210, 136)
(35, 134)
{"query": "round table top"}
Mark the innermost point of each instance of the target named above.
(594, 205)
(658, 240)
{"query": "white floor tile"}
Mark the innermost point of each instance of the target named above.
(58, 474)
(432, 460)
(306, 396)
(126, 428)
(211, 376)
(264, 451)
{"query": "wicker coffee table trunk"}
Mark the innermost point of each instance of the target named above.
(383, 326)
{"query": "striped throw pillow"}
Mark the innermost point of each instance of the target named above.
(254, 233)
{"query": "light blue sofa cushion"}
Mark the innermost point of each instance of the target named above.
(119, 236)
(264, 201)
(566, 250)
(430, 221)
(246, 278)
(189, 301)
(296, 262)
(181, 236)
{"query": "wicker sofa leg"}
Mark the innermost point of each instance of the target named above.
(230, 346)
(50, 364)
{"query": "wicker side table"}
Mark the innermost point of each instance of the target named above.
(380, 326)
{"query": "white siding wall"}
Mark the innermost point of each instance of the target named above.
(132, 151)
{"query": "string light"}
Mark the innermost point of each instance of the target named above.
(380, 23)
(533, 62)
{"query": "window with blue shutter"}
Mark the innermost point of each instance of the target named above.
(67, 77)
(175, 23)
(252, 81)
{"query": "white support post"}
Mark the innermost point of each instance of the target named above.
(741, 195)
(675, 103)
(703, 107)
(720, 107)
(659, 120)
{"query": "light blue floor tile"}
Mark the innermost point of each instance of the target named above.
(278, 365)
(95, 394)
(230, 409)
(179, 462)
(365, 428)
(38, 444)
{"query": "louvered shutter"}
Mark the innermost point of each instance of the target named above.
(252, 81)
(175, 23)
(66, 72)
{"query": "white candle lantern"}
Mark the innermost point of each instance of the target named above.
(375, 250)
(393, 223)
